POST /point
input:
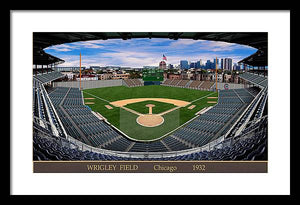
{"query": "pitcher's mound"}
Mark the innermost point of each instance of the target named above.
(150, 120)
(150, 105)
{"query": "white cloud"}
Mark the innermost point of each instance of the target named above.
(184, 42)
(75, 45)
(220, 46)
(61, 48)
(131, 58)
(88, 44)
(213, 46)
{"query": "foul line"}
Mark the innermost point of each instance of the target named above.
(201, 98)
(165, 112)
(132, 111)
(96, 96)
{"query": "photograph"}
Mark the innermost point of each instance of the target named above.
(150, 102)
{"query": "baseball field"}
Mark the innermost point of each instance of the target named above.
(147, 113)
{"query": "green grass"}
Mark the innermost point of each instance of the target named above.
(159, 107)
(152, 91)
(126, 121)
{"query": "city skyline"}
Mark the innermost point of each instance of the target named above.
(146, 52)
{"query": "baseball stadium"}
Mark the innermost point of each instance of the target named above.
(149, 118)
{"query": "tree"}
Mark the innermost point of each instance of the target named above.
(99, 72)
(134, 74)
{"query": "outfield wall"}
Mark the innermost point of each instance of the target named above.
(120, 82)
(221, 86)
(90, 84)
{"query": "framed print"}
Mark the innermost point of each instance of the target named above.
(150, 102)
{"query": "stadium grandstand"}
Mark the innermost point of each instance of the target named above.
(133, 82)
(193, 84)
(235, 128)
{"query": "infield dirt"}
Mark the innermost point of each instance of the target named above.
(122, 103)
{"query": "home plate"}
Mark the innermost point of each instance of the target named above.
(108, 107)
(191, 107)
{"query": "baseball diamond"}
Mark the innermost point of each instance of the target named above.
(147, 112)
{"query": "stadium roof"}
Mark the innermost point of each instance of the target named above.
(40, 57)
(257, 40)
(257, 59)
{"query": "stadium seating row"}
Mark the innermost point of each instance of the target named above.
(254, 78)
(48, 77)
(193, 84)
(247, 116)
(262, 105)
(148, 147)
(78, 119)
(43, 109)
(133, 82)
(244, 147)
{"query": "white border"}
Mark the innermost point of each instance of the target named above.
(276, 23)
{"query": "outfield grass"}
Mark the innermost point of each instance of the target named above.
(128, 124)
(152, 91)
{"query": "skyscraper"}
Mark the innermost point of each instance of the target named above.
(227, 64)
(236, 67)
(214, 65)
(199, 64)
(222, 64)
(193, 65)
(184, 64)
(208, 64)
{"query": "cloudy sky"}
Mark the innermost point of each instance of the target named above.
(145, 52)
